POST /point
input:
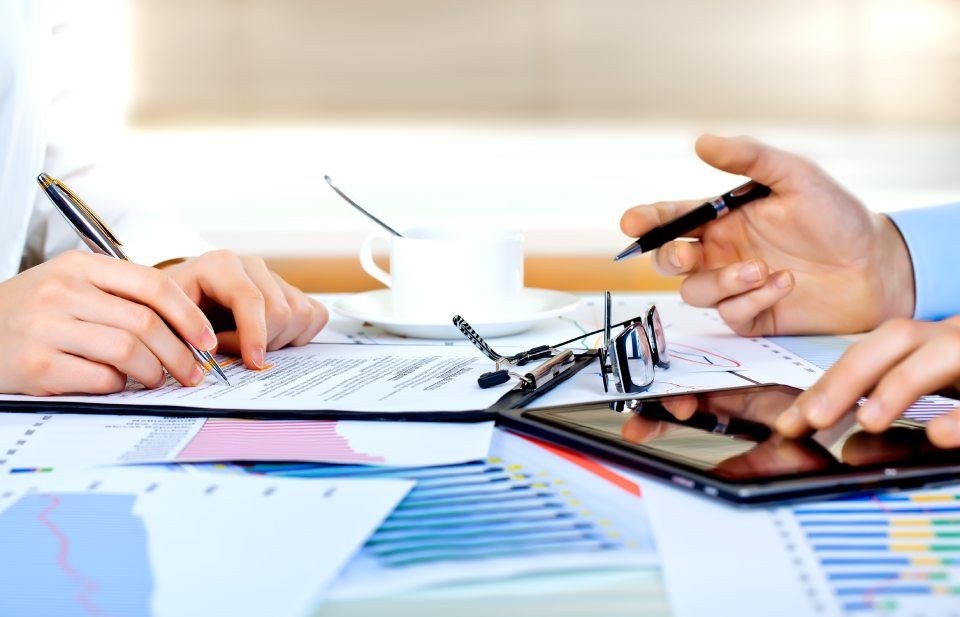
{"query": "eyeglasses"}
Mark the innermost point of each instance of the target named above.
(629, 357)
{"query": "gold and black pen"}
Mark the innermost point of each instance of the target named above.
(99, 239)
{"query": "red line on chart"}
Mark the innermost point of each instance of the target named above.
(88, 586)
(695, 355)
(590, 465)
(676, 386)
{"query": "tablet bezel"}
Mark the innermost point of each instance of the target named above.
(750, 493)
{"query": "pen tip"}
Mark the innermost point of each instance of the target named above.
(327, 178)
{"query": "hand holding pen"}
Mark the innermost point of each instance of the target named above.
(82, 323)
(160, 292)
(807, 258)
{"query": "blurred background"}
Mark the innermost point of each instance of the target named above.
(551, 116)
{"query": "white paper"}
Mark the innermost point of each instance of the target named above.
(886, 554)
(697, 362)
(889, 554)
(389, 374)
(586, 386)
(31, 440)
(573, 519)
(124, 542)
(729, 562)
(330, 377)
(699, 342)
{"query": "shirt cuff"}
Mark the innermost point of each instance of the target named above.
(149, 239)
(931, 237)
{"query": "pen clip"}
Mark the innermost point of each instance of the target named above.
(87, 211)
(551, 369)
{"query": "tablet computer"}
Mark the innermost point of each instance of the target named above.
(720, 443)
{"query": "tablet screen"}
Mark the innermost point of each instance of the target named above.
(727, 434)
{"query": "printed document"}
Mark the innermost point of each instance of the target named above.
(330, 377)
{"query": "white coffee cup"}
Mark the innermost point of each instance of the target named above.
(438, 272)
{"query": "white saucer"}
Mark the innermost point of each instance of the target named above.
(536, 305)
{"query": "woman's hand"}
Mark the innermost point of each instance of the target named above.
(893, 366)
(81, 323)
(252, 308)
(809, 258)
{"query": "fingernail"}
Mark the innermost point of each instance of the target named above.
(871, 413)
(789, 421)
(673, 255)
(196, 375)
(782, 280)
(208, 340)
(162, 381)
(750, 273)
(259, 357)
(817, 412)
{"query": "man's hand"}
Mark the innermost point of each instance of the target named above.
(809, 258)
(260, 310)
(895, 365)
(81, 323)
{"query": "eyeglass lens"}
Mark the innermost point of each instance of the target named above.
(632, 359)
(658, 340)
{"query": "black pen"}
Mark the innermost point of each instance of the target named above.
(701, 215)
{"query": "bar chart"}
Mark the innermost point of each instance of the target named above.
(520, 510)
(891, 554)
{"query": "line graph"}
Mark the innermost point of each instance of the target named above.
(87, 586)
(90, 550)
(138, 543)
(705, 357)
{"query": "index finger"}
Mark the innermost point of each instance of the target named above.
(853, 375)
(152, 288)
(640, 219)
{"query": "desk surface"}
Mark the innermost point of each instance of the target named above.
(565, 273)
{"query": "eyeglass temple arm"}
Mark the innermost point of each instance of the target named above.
(586, 334)
(476, 339)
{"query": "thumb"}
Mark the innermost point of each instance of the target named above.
(745, 156)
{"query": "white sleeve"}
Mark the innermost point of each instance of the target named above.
(149, 235)
(80, 121)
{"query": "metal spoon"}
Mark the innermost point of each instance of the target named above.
(360, 208)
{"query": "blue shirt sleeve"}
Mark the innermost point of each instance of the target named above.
(933, 239)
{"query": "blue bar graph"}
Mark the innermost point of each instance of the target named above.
(888, 554)
(523, 504)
